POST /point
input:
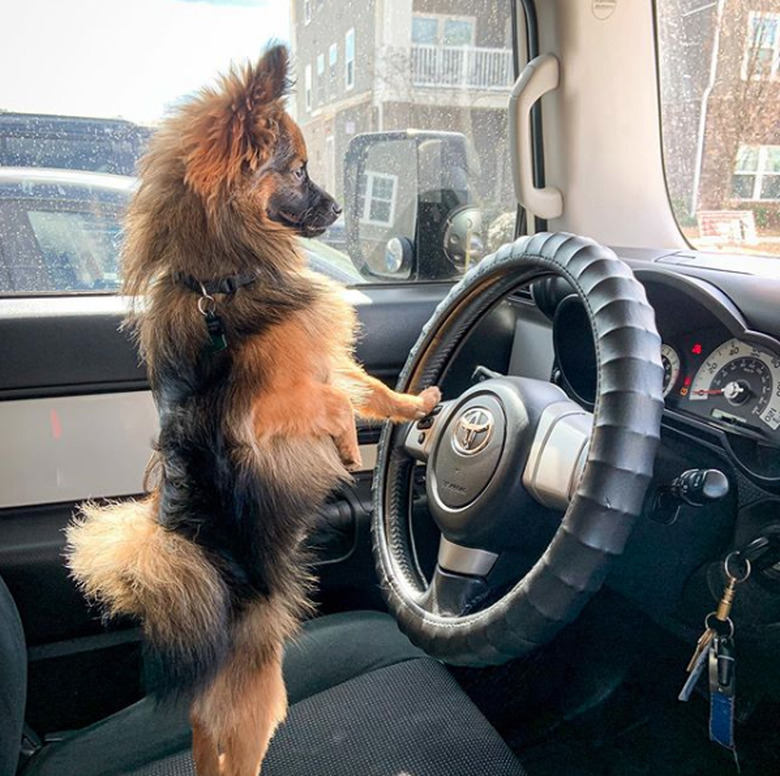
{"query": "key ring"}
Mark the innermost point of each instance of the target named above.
(748, 568)
(207, 305)
(712, 623)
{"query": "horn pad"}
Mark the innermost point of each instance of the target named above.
(475, 469)
(468, 454)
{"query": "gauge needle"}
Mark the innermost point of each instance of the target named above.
(733, 391)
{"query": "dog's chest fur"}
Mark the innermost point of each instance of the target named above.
(241, 476)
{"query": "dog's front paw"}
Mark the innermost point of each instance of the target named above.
(349, 453)
(430, 397)
(352, 463)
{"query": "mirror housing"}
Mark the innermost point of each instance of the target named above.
(408, 209)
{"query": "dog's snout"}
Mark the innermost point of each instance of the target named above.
(336, 209)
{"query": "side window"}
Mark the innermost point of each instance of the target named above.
(720, 99)
(416, 68)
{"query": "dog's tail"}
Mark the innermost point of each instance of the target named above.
(124, 560)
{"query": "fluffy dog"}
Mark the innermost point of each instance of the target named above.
(250, 359)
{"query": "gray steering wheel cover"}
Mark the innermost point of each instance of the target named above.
(595, 527)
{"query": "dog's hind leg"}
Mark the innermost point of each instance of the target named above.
(205, 752)
(241, 710)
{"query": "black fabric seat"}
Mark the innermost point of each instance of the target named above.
(364, 702)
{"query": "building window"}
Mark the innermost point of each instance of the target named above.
(306, 11)
(757, 173)
(320, 78)
(349, 58)
(762, 46)
(376, 198)
(333, 58)
(307, 82)
(430, 30)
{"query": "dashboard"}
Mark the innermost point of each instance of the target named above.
(721, 355)
(718, 373)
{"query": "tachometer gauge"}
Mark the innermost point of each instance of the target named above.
(740, 382)
(671, 363)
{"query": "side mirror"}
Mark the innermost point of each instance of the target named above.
(408, 209)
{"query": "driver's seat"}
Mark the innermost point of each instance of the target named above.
(364, 702)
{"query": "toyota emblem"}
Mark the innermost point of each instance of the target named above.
(473, 431)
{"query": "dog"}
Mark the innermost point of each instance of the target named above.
(250, 360)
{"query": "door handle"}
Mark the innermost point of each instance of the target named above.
(539, 76)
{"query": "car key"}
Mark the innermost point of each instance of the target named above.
(717, 623)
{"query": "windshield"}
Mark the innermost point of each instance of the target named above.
(720, 99)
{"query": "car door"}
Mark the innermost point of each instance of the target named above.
(77, 415)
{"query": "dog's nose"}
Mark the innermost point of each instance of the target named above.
(336, 209)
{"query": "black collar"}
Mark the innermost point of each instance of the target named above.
(228, 285)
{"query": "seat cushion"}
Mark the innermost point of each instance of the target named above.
(363, 701)
(329, 651)
(408, 719)
(339, 647)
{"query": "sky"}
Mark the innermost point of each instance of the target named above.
(126, 58)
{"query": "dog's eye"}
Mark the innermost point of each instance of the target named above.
(300, 173)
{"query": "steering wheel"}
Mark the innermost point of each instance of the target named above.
(508, 445)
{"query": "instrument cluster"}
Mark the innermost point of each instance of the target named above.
(717, 371)
(732, 383)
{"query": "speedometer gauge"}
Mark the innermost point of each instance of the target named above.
(671, 363)
(741, 383)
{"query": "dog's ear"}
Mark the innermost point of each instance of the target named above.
(234, 128)
(270, 80)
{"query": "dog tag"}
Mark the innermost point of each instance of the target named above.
(216, 332)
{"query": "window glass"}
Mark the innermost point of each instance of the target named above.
(720, 99)
(425, 30)
(458, 32)
(376, 195)
(48, 249)
(80, 248)
(349, 58)
(80, 116)
(307, 81)
(760, 57)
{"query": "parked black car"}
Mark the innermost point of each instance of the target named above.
(69, 142)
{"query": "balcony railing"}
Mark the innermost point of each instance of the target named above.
(462, 67)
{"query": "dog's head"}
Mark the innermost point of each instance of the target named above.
(243, 151)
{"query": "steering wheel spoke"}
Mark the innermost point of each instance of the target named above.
(420, 436)
(558, 453)
(460, 581)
